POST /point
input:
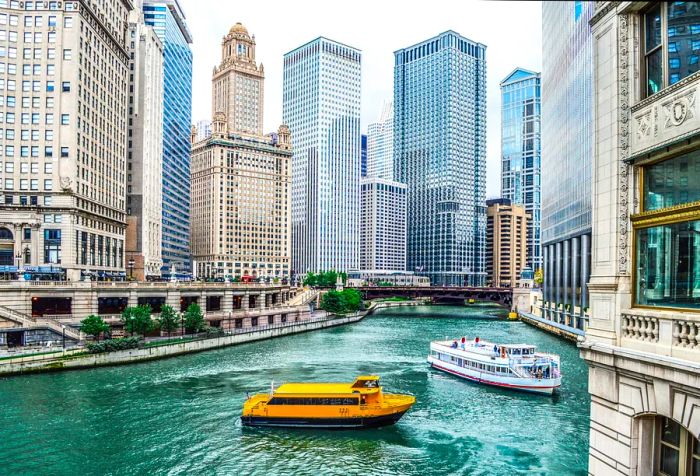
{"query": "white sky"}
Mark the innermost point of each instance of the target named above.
(511, 32)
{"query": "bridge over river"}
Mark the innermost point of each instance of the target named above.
(441, 294)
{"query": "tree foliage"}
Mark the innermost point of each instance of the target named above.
(343, 302)
(169, 320)
(324, 279)
(113, 345)
(94, 326)
(539, 277)
(194, 319)
(137, 320)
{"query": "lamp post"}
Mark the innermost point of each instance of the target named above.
(20, 273)
(63, 326)
(229, 321)
(131, 264)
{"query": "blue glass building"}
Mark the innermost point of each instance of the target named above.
(168, 21)
(567, 159)
(321, 106)
(520, 152)
(440, 154)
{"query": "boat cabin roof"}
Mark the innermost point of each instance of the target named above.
(363, 384)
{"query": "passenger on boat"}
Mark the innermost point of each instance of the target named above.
(454, 345)
(464, 340)
(495, 349)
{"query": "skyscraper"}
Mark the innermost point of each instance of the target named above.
(440, 154)
(168, 21)
(238, 83)
(321, 106)
(64, 144)
(567, 158)
(520, 152)
(363, 155)
(144, 205)
(240, 178)
(506, 242)
(383, 225)
(380, 144)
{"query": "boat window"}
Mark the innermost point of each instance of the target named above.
(366, 384)
(313, 401)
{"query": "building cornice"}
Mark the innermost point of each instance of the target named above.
(684, 212)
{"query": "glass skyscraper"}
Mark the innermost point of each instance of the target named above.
(520, 152)
(440, 154)
(363, 155)
(567, 158)
(380, 145)
(168, 21)
(321, 106)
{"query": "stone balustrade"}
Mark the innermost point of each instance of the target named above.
(670, 333)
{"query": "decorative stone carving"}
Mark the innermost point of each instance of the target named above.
(66, 183)
(679, 109)
(624, 133)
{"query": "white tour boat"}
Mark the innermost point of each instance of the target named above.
(515, 366)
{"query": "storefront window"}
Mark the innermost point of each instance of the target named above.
(668, 265)
(672, 182)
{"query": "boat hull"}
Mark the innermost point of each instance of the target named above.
(327, 423)
(544, 387)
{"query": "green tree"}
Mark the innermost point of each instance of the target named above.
(194, 320)
(169, 319)
(333, 302)
(137, 320)
(310, 279)
(352, 299)
(94, 326)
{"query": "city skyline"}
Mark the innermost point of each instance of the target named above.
(277, 37)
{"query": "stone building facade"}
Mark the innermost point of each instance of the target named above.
(144, 206)
(65, 76)
(642, 345)
(506, 242)
(241, 210)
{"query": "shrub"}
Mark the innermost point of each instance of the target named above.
(94, 326)
(113, 345)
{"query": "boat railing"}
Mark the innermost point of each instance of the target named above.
(521, 372)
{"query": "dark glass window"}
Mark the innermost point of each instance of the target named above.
(684, 27)
(670, 182)
(668, 265)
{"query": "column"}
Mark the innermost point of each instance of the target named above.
(585, 268)
(549, 279)
(557, 277)
(545, 268)
(227, 301)
(565, 279)
(575, 278)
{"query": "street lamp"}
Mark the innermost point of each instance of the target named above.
(131, 264)
(20, 273)
(63, 326)
(229, 321)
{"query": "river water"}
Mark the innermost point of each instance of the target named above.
(180, 416)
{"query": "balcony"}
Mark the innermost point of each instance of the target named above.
(669, 116)
(669, 333)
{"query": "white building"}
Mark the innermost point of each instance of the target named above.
(203, 128)
(383, 225)
(380, 144)
(145, 170)
(65, 74)
(322, 109)
(643, 341)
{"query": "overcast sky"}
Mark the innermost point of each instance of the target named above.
(511, 32)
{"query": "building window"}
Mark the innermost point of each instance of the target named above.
(52, 246)
(677, 450)
(667, 235)
(667, 29)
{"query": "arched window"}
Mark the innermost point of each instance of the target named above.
(6, 234)
(677, 450)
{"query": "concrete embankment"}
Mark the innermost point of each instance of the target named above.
(552, 327)
(76, 360)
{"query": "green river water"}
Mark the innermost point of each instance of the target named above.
(181, 415)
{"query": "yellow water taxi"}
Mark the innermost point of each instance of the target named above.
(360, 404)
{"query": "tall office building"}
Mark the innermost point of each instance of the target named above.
(520, 152)
(203, 128)
(440, 154)
(380, 144)
(363, 155)
(382, 225)
(506, 242)
(65, 76)
(322, 109)
(567, 159)
(144, 201)
(168, 21)
(238, 83)
(240, 179)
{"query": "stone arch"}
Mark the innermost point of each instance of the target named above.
(6, 234)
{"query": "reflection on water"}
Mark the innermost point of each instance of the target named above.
(180, 415)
